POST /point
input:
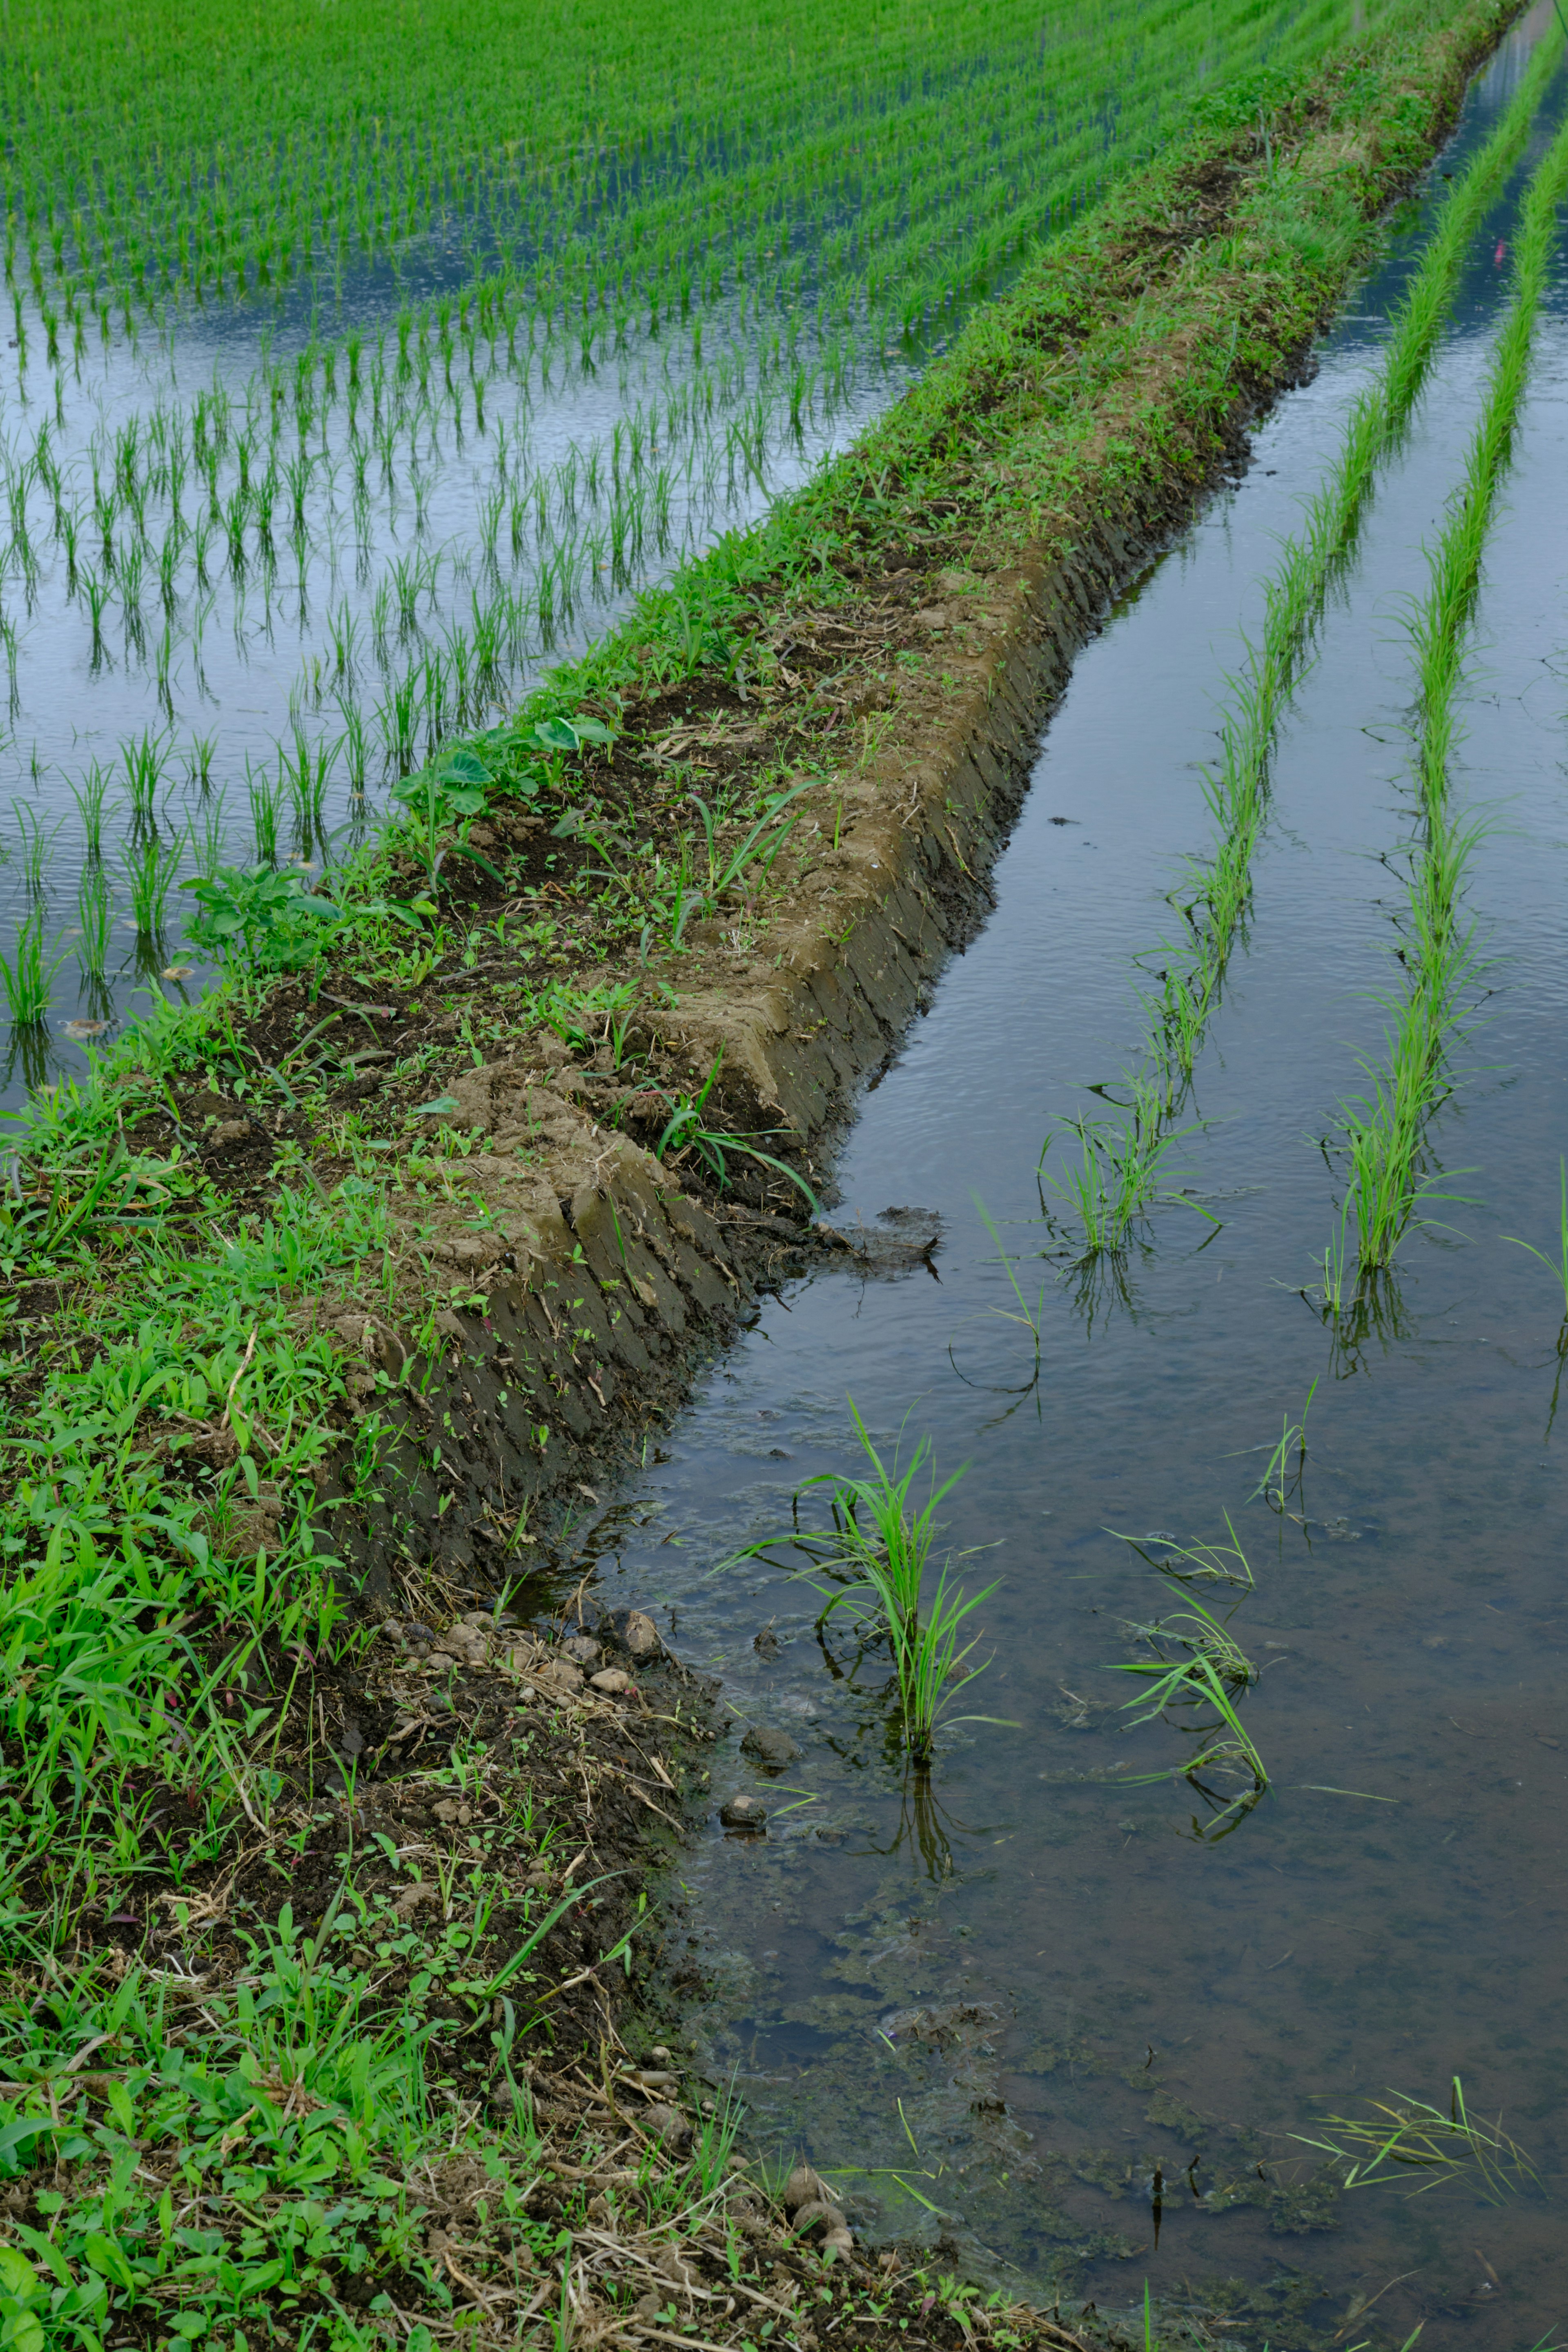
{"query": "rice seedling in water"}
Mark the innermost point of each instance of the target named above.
(265, 795)
(27, 973)
(36, 843)
(1117, 1178)
(1278, 1477)
(142, 760)
(150, 870)
(89, 796)
(877, 1558)
(1198, 1667)
(1389, 1181)
(1412, 2144)
(95, 917)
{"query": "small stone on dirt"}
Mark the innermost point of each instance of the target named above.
(640, 1634)
(772, 1750)
(613, 1682)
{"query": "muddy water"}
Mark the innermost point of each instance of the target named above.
(1025, 2007)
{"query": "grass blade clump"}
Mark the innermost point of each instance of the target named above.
(1412, 2144)
(875, 1560)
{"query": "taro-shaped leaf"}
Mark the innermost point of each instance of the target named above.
(557, 735)
(463, 768)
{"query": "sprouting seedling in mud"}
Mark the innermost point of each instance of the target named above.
(1197, 1665)
(875, 1556)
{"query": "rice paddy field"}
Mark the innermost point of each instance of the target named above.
(355, 376)
(1140, 1560)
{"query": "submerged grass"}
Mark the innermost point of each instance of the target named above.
(1418, 2145)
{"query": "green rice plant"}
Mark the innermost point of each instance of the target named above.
(306, 775)
(876, 1559)
(142, 758)
(687, 1131)
(1556, 1266)
(27, 973)
(1389, 1180)
(265, 794)
(1278, 1478)
(1411, 2144)
(1198, 1668)
(36, 843)
(151, 866)
(1117, 1178)
(95, 918)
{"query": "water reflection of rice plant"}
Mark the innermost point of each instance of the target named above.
(1412, 2144)
(1196, 1664)
(875, 1558)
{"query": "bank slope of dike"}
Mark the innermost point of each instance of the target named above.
(334, 1299)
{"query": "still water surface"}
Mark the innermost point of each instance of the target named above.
(1000, 2009)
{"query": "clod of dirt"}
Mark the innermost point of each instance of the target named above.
(613, 1682)
(743, 1813)
(901, 1240)
(772, 1750)
(638, 1634)
(838, 2238)
(806, 2187)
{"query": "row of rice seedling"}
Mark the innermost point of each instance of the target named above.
(1390, 1173)
(165, 526)
(1118, 1171)
(152, 205)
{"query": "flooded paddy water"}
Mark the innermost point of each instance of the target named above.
(1020, 2003)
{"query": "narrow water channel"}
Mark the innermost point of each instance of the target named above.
(1028, 2009)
